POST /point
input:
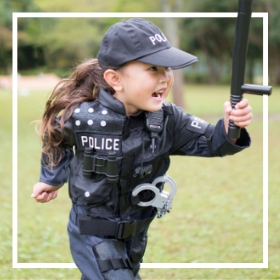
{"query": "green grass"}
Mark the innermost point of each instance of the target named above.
(216, 215)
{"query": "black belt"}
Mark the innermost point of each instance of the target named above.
(112, 229)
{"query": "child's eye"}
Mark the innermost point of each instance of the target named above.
(153, 68)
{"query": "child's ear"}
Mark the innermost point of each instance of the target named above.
(113, 79)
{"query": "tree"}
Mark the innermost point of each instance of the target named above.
(273, 8)
(171, 27)
(61, 43)
(215, 38)
(6, 10)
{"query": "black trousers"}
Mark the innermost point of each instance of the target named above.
(99, 258)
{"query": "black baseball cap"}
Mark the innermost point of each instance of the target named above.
(139, 39)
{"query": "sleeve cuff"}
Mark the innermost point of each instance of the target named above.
(222, 145)
(59, 174)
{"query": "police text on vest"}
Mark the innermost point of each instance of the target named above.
(109, 144)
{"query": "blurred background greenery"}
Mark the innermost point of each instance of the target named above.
(221, 210)
(57, 44)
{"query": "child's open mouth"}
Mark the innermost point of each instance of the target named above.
(158, 95)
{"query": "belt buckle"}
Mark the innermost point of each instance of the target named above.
(126, 229)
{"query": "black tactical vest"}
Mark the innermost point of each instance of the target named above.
(114, 154)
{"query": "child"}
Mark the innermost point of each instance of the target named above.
(112, 111)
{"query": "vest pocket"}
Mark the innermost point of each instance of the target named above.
(94, 189)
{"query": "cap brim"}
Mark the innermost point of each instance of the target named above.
(172, 57)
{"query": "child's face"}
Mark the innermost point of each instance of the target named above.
(144, 86)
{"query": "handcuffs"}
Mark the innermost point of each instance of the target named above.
(162, 199)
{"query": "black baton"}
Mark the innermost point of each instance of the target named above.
(239, 63)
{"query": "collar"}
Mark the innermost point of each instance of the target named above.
(109, 101)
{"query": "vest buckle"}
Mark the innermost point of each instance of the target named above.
(126, 229)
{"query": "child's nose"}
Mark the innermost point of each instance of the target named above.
(165, 75)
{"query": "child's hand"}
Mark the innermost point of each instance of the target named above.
(44, 193)
(241, 116)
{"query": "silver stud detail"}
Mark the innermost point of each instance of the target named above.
(90, 122)
(90, 110)
(78, 123)
(104, 112)
(103, 123)
(77, 110)
(87, 194)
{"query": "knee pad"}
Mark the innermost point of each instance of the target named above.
(112, 259)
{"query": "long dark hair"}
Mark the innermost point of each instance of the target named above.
(82, 85)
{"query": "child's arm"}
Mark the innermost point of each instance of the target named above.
(43, 192)
(241, 116)
(194, 136)
(51, 179)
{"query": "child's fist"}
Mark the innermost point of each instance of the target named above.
(241, 115)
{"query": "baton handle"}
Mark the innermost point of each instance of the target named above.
(233, 130)
(239, 59)
(239, 63)
(256, 89)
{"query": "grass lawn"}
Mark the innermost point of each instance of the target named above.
(217, 214)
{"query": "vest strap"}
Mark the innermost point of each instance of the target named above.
(112, 229)
(114, 264)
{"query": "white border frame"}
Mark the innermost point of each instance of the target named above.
(264, 264)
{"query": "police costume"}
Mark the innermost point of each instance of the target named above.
(113, 155)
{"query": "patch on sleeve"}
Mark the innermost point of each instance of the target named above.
(196, 124)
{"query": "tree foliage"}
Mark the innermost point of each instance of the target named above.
(60, 43)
